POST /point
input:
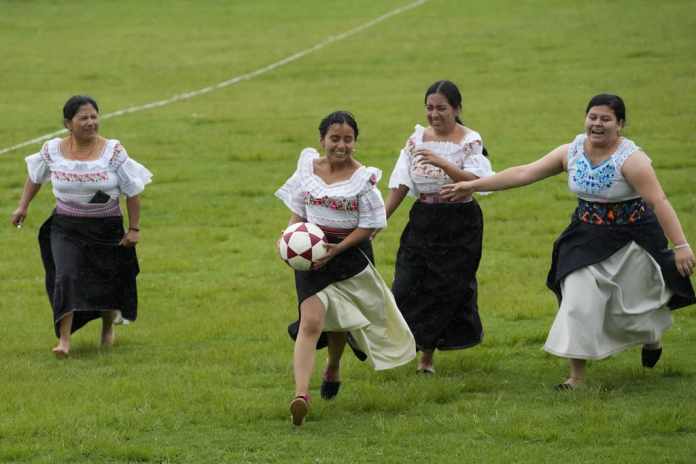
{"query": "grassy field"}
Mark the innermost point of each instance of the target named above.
(205, 374)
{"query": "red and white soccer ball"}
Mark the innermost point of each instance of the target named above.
(301, 245)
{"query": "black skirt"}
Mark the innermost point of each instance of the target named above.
(344, 266)
(435, 281)
(582, 244)
(87, 272)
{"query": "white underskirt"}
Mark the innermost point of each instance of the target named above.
(364, 306)
(610, 306)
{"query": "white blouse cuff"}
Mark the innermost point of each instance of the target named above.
(133, 177)
(286, 196)
(38, 170)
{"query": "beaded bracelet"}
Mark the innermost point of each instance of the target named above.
(682, 245)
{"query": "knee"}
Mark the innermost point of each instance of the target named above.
(310, 326)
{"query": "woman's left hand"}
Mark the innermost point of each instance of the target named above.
(331, 251)
(425, 156)
(130, 239)
(458, 191)
(684, 260)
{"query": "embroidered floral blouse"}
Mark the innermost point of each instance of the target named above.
(347, 204)
(603, 183)
(75, 181)
(466, 155)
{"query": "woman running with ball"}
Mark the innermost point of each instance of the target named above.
(342, 298)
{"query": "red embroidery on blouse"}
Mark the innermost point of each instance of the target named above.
(344, 204)
(45, 154)
(118, 157)
(76, 177)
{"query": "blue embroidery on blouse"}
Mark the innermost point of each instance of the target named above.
(593, 180)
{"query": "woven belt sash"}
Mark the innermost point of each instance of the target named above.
(624, 212)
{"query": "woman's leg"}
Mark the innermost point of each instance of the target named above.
(64, 328)
(577, 372)
(337, 343)
(425, 364)
(108, 334)
(311, 324)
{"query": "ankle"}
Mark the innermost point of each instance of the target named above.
(331, 372)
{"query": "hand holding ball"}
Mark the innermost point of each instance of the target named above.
(301, 245)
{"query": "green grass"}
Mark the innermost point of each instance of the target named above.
(205, 374)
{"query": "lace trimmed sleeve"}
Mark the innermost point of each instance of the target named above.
(477, 163)
(38, 165)
(290, 193)
(401, 175)
(132, 176)
(371, 211)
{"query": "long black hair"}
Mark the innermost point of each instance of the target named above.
(450, 91)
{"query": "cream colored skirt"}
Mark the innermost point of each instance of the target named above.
(364, 306)
(610, 306)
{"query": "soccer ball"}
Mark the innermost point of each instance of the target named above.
(301, 245)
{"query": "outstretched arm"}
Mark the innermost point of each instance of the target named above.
(549, 165)
(28, 194)
(639, 173)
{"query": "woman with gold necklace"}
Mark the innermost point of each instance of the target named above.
(90, 262)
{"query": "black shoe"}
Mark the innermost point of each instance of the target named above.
(329, 390)
(650, 357)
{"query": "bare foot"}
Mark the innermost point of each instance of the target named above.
(425, 364)
(61, 351)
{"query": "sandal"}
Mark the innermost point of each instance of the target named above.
(428, 370)
(567, 386)
(299, 407)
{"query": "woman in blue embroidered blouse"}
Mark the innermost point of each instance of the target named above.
(612, 271)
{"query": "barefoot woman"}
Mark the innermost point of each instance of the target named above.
(90, 262)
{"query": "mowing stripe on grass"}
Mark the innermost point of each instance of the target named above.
(234, 80)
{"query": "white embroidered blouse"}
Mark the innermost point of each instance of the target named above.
(77, 181)
(347, 204)
(603, 183)
(466, 155)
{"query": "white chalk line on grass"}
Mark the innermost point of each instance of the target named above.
(235, 80)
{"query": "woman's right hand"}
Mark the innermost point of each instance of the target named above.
(684, 260)
(18, 216)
